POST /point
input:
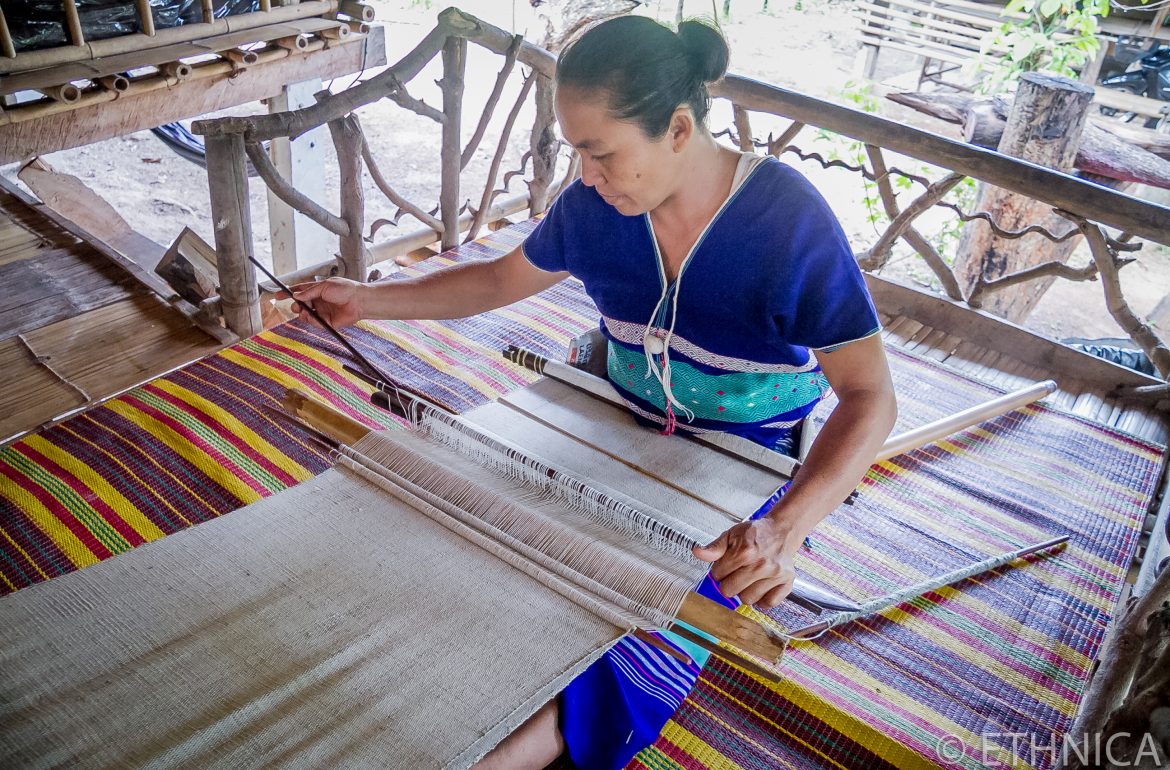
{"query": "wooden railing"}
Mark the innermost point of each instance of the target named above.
(1087, 207)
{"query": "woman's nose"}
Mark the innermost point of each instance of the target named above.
(590, 173)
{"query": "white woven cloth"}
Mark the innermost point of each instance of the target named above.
(326, 626)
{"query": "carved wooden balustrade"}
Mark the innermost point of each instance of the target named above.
(1090, 209)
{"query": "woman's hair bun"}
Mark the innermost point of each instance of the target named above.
(706, 48)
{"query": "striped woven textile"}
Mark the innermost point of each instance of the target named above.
(1006, 652)
(947, 679)
(199, 442)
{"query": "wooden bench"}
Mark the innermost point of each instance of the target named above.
(946, 35)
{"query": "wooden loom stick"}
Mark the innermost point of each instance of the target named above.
(697, 611)
(933, 431)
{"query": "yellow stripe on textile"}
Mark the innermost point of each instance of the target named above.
(883, 697)
(68, 543)
(125, 509)
(237, 428)
(229, 480)
(696, 747)
(414, 341)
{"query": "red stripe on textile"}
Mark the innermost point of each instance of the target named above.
(224, 432)
(197, 442)
(59, 511)
(92, 498)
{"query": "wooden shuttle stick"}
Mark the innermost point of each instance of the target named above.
(697, 611)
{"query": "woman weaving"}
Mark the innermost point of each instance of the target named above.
(716, 274)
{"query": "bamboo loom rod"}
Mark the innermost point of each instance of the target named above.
(931, 432)
(145, 17)
(818, 628)
(73, 22)
(696, 611)
(181, 34)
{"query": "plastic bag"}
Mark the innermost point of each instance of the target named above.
(41, 23)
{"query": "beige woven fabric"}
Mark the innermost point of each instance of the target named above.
(326, 626)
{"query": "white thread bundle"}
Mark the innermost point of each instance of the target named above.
(601, 553)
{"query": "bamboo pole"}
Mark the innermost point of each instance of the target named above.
(62, 94)
(116, 83)
(73, 23)
(912, 439)
(176, 70)
(182, 34)
(145, 17)
(454, 65)
(7, 47)
(356, 10)
(227, 178)
(143, 85)
(241, 57)
(208, 11)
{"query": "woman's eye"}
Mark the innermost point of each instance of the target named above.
(598, 158)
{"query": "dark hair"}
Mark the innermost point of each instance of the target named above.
(646, 69)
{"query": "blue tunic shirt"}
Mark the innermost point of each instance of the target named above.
(770, 278)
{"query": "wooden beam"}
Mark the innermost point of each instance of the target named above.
(1059, 190)
(132, 111)
(988, 331)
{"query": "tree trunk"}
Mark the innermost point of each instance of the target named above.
(1044, 127)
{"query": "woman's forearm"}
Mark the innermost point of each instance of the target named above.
(838, 459)
(458, 291)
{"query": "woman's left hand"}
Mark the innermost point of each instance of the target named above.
(753, 560)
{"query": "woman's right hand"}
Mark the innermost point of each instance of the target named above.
(337, 300)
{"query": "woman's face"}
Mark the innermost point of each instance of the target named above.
(631, 172)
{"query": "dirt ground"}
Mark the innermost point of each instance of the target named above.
(806, 45)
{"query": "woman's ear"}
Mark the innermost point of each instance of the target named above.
(682, 127)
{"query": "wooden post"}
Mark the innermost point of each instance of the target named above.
(544, 145)
(347, 141)
(1044, 127)
(227, 178)
(297, 241)
(454, 64)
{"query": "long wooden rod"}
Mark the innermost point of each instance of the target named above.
(931, 432)
(696, 611)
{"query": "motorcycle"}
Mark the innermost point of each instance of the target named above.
(1148, 76)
